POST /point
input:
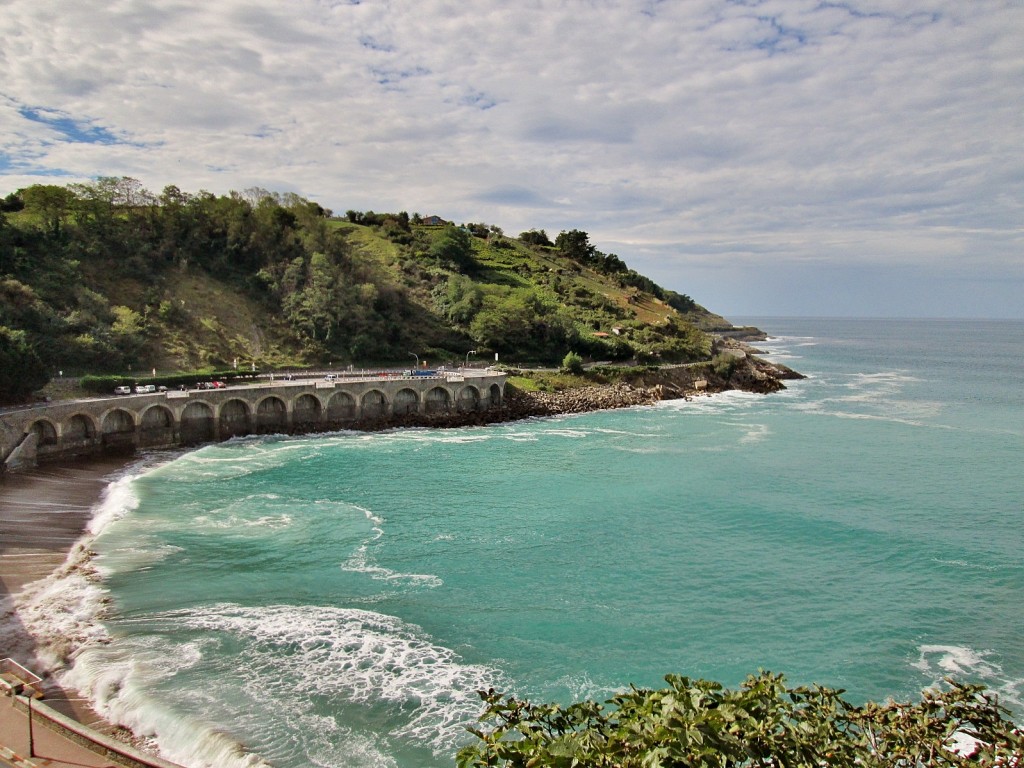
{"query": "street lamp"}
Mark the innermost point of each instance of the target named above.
(417, 358)
(471, 352)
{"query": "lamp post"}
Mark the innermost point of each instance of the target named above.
(471, 352)
(417, 358)
(31, 736)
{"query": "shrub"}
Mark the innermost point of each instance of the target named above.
(572, 363)
(700, 724)
(724, 364)
(104, 385)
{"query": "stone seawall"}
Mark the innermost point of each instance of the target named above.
(63, 430)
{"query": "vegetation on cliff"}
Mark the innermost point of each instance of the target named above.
(108, 277)
(700, 724)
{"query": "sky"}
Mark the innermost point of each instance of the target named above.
(766, 157)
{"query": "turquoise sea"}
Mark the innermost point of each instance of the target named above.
(338, 600)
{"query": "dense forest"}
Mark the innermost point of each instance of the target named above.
(108, 277)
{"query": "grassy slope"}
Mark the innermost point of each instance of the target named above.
(597, 301)
(522, 265)
(213, 321)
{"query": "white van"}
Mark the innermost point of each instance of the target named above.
(122, 390)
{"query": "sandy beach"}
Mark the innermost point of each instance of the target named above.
(43, 513)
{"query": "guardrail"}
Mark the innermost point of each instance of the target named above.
(14, 678)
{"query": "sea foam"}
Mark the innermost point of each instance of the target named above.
(288, 655)
(962, 663)
(61, 611)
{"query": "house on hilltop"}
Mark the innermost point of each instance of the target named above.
(433, 221)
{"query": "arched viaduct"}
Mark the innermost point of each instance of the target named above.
(197, 416)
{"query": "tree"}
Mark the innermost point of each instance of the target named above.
(460, 299)
(522, 320)
(535, 237)
(453, 246)
(22, 372)
(12, 203)
(699, 724)
(575, 244)
(52, 204)
(572, 363)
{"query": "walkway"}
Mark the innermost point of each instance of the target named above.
(52, 749)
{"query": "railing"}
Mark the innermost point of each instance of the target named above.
(15, 678)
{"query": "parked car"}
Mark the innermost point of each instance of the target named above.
(331, 377)
(219, 385)
(122, 390)
(143, 389)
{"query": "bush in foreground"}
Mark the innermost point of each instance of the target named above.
(698, 724)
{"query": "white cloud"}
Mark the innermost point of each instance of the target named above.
(755, 134)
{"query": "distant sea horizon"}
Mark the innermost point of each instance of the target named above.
(744, 319)
(337, 600)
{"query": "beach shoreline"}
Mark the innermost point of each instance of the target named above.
(45, 516)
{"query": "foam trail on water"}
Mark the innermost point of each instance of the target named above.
(289, 657)
(961, 663)
(117, 679)
(362, 562)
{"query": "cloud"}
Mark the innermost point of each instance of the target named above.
(795, 132)
(510, 195)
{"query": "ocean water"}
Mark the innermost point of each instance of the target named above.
(338, 600)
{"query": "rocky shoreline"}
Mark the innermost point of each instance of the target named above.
(744, 371)
(748, 373)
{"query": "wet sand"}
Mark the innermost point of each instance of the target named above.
(43, 513)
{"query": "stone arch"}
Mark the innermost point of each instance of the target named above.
(156, 426)
(118, 428)
(271, 415)
(79, 431)
(438, 400)
(495, 395)
(375, 404)
(197, 423)
(341, 408)
(45, 432)
(306, 410)
(469, 399)
(234, 418)
(406, 401)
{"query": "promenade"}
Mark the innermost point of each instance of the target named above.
(55, 741)
(49, 747)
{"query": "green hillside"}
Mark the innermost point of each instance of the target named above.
(108, 277)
